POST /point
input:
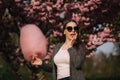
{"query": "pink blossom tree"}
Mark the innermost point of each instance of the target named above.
(94, 17)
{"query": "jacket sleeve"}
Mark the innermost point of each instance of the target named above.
(81, 56)
(48, 65)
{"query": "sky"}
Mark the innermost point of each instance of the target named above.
(108, 48)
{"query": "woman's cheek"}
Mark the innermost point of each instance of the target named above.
(33, 42)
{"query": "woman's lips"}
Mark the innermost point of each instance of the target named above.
(73, 35)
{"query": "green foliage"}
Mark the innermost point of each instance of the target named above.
(106, 69)
(14, 67)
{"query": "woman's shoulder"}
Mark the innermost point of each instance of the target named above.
(56, 48)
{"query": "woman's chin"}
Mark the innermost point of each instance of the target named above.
(72, 39)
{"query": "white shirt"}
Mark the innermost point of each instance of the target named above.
(62, 60)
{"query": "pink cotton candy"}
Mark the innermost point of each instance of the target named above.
(33, 42)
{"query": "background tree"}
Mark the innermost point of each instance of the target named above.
(100, 17)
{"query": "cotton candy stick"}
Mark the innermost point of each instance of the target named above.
(33, 42)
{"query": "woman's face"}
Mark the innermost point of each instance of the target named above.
(71, 31)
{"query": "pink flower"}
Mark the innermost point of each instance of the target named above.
(83, 18)
(90, 3)
(56, 33)
(92, 8)
(86, 23)
(107, 30)
(48, 8)
(43, 18)
(52, 21)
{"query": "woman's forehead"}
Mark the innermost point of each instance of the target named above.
(71, 23)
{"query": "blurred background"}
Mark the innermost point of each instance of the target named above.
(99, 22)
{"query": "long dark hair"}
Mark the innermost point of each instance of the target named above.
(78, 40)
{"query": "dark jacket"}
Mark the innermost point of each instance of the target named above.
(77, 58)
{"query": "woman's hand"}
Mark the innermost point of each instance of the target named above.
(90, 55)
(36, 61)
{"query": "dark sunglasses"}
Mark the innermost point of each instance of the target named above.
(70, 28)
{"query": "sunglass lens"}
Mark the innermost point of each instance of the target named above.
(69, 29)
(76, 28)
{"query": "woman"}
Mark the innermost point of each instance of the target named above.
(68, 56)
